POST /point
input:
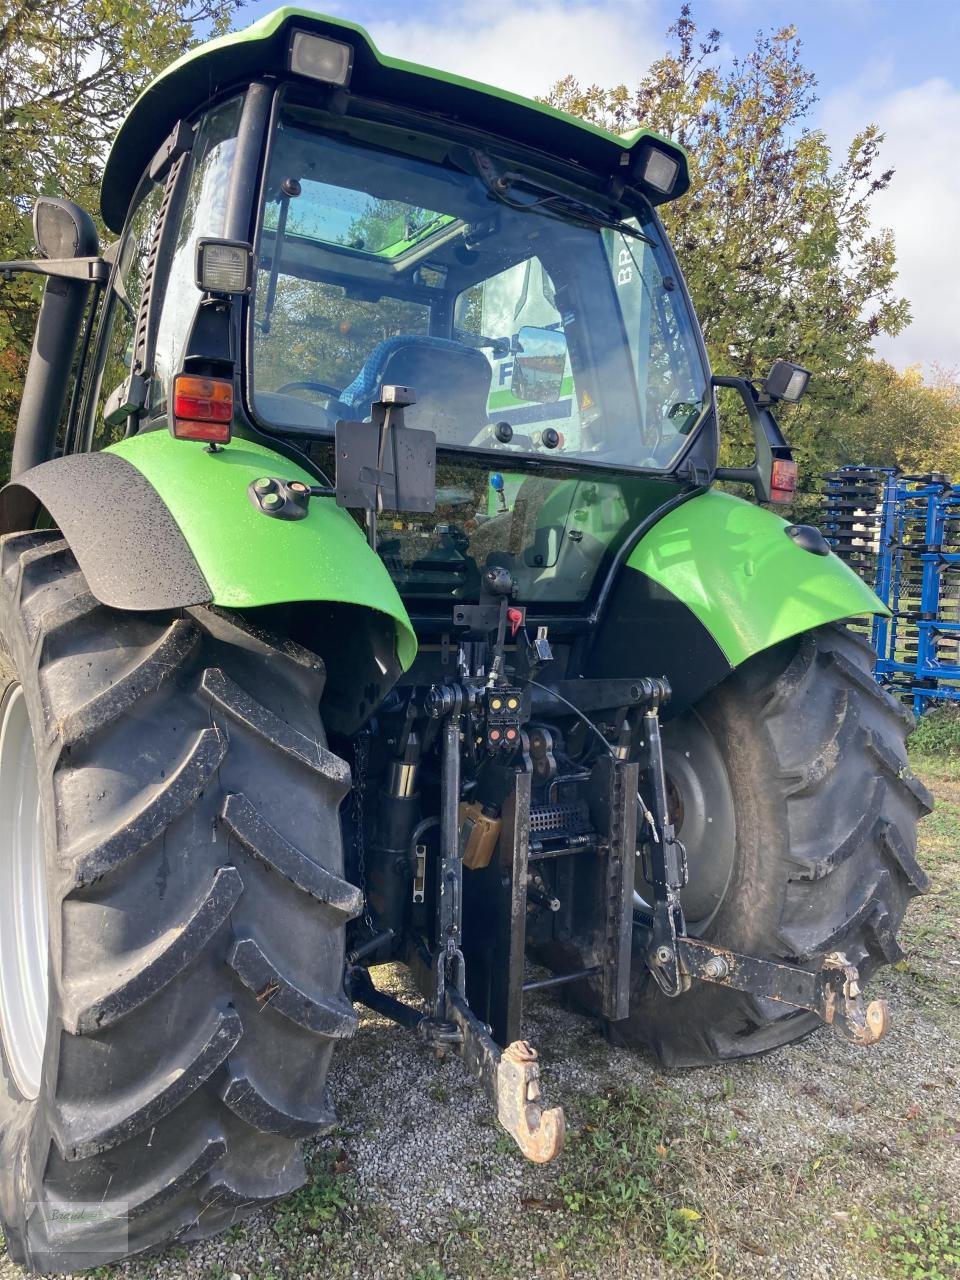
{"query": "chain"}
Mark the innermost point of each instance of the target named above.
(359, 837)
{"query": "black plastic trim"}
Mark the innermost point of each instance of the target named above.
(646, 628)
(125, 540)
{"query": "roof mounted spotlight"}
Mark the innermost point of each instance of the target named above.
(658, 169)
(318, 58)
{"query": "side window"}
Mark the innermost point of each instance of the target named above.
(669, 374)
(204, 212)
(120, 317)
(204, 215)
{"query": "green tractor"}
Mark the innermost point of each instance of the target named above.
(364, 600)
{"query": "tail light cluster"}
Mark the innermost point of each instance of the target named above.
(783, 480)
(202, 408)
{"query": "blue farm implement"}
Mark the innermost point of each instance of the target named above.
(901, 533)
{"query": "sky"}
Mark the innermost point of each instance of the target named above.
(895, 63)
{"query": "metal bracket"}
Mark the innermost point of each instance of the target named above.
(832, 992)
(448, 958)
(90, 270)
(613, 808)
(383, 464)
(668, 870)
(511, 1079)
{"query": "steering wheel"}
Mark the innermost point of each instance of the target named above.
(320, 388)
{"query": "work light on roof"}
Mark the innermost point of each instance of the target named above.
(659, 170)
(318, 58)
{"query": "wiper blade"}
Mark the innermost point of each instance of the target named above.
(550, 201)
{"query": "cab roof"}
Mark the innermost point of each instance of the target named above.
(261, 50)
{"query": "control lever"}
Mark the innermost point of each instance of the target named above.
(499, 582)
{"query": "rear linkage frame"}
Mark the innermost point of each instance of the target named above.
(510, 1076)
(486, 713)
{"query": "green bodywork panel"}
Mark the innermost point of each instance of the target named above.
(261, 49)
(249, 559)
(749, 584)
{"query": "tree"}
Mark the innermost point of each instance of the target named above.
(901, 419)
(774, 238)
(69, 71)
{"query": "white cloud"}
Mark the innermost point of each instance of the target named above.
(921, 206)
(528, 47)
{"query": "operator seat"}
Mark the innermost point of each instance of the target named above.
(452, 383)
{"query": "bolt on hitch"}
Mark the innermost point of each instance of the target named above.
(511, 1081)
(832, 992)
(538, 1133)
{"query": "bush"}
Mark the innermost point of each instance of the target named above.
(937, 733)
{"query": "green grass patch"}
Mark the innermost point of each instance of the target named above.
(938, 734)
(931, 930)
(917, 1243)
(327, 1193)
(625, 1175)
(431, 1271)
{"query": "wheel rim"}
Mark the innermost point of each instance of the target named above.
(24, 921)
(701, 803)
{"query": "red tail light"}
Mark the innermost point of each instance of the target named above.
(202, 408)
(783, 480)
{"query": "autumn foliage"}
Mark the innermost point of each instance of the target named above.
(777, 243)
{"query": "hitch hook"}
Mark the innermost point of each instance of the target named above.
(539, 1134)
(511, 1081)
(844, 1007)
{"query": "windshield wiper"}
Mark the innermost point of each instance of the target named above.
(548, 200)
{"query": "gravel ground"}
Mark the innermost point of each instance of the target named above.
(818, 1162)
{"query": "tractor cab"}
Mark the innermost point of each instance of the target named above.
(546, 336)
(531, 303)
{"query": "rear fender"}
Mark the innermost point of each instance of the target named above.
(159, 523)
(713, 583)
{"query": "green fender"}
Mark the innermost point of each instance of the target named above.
(750, 585)
(249, 559)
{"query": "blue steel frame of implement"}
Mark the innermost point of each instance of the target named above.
(926, 674)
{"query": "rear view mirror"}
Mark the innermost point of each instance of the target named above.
(786, 381)
(62, 229)
(538, 365)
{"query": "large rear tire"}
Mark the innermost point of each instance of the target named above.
(188, 815)
(821, 855)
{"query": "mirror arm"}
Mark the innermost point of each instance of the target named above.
(767, 436)
(91, 270)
